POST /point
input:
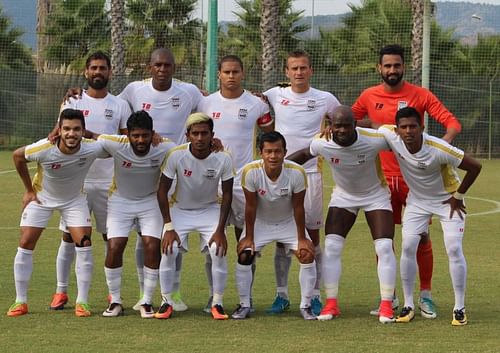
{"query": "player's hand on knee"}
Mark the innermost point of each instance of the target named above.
(456, 206)
(246, 244)
(305, 251)
(28, 197)
(220, 240)
(170, 239)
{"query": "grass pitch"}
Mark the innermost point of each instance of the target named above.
(43, 330)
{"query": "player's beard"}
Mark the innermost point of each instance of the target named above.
(392, 80)
(100, 83)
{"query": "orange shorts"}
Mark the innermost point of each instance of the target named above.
(399, 192)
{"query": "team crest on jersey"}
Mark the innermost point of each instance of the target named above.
(361, 158)
(176, 102)
(402, 104)
(243, 114)
(311, 104)
(82, 161)
(211, 173)
(108, 114)
(422, 165)
(284, 192)
(155, 163)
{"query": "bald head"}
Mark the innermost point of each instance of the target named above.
(162, 68)
(344, 113)
(159, 52)
(343, 126)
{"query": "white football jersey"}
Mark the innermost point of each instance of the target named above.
(431, 172)
(135, 177)
(298, 116)
(103, 116)
(169, 109)
(355, 169)
(235, 121)
(197, 179)
(274, 198)
(60, 176)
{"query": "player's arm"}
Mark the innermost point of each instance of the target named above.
(441, 114)
(219, 237)
(169, 235)
(300, 222)
(250, 215)
(472, 169)
(54, 134)
(301, 156)
(21, 164)
(266, 123)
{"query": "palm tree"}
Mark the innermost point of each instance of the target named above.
(417, 37)
(117, 42)
(14, 54)
(269, 37)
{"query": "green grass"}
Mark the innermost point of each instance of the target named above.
(194, 331)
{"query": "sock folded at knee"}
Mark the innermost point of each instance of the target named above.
(23, 267)
(139, 262)
(150, 281)
(386, 267)
(114, 282)
(219, 274)
(457, 267)
(307, 279)
(65, 257)
(178, 268)
(167, 271)
(84, 266)
(408, 266)
(244, 283)
(332, 264)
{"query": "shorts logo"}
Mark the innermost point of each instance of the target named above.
(379, 106)
(86, 112)
(242, 114)
(126, 164)
(284, 102)
(402, 104)
(188, 173)
(108, 114)
(261, 192)
(55, 166)
(176, 102)
(284, 192)
(335, 160)
(216, 115)
(146, 106)
(211, 173)
(311, 104)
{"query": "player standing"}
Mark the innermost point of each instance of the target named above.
(196, 209)
(380, 104)
(57, 185)
(429, 167)
(299, 111)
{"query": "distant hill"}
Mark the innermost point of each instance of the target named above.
(450, 15)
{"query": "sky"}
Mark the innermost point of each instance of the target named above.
(323, 7)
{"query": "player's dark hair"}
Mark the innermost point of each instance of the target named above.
(140, 120)
(233, 58)
(392, 49)
(408, 112)
(272, 136)
(98, 55)
(298, 54)
(71, 114)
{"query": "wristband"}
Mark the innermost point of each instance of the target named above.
(167, 227)
(458, 196)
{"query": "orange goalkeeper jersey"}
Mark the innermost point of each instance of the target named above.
(381, 107)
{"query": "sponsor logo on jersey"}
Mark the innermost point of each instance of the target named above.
(243, 114)
(126, 164)
(311, 104)
(379, 106)
(146, 106)
(335, 160)
(108, 114)
(176, 102)
(216, 115)
(86, 112)
(56, 166)
(188, 173)
(261, 192)
(402, 104)
(285, 102)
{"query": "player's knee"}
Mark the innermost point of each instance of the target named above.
(454, 250)
(66, 237)
(84, 242)
(305, 257)
(246, 258)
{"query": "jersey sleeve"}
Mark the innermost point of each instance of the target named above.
(440, 113)
(196, 97)
(228, 170)
(359, 107)
(315, 147)
(449, 154)
(36, 151)
(299, 180)
(248, 179)
(170, 169)
(125, 113)
(332, 103)
(127, 93)
(265, 118)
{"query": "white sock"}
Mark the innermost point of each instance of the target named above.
(84, 265)
(178, 268)
(244, 283)
(150, 281)
(23, 267)
(282, 263)
(318, 258)
(458, 268)
(307, 278)
(208, 271)
(408, 267)
(114, 281)
(139, 262)
(167, 272)
(219, 274)
(386, 267)
(65, 257)
(332, 264)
